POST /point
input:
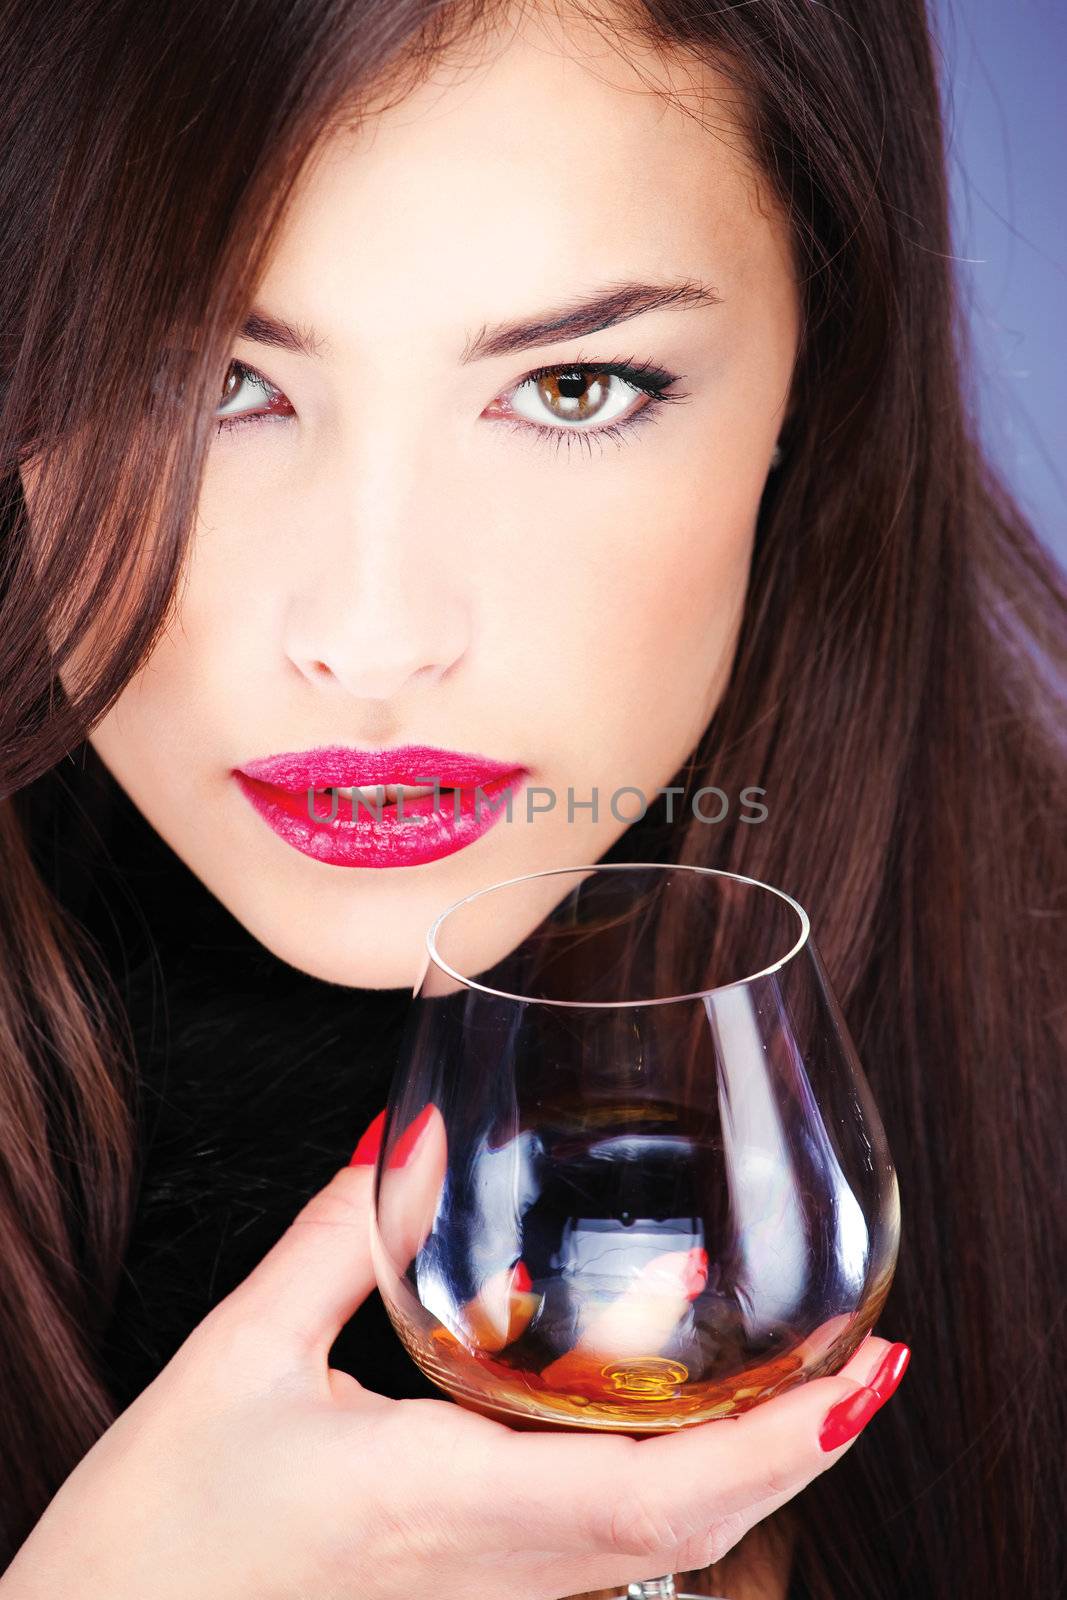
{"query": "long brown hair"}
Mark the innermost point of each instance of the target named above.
(898, 691)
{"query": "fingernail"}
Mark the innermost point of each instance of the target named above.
(844, 1420)
(366, 1151)
(410, 1137)
(891, 1370)
(696, 1275)
(678, 1270)
(521, 1279)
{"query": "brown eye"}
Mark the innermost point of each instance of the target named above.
(267, 401)
(231, 383)
(577, 404)
(574, 396)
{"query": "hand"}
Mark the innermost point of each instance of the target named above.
(251, 1470)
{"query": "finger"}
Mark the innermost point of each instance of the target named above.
(592, 1493)
(412, 1183)
(644, 1315)
(636, 1322)
(308, 1285)
(502, 1309)
(322, 1269)
(866, 1365)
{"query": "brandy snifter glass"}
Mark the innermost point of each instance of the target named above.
(632, 1176)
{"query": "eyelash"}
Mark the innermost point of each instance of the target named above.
(653, 381)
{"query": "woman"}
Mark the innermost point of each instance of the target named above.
(331, 328)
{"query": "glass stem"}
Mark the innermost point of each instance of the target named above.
(653, 1589)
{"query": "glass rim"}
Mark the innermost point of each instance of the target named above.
(615, 1005)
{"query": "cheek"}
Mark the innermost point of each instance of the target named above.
(163, 720)
(221, 627)
(645, 621)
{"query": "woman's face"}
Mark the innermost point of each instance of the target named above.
(407, 542)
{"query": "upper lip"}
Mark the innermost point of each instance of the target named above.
(339, 766)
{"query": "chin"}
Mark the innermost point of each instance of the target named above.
(334, 957)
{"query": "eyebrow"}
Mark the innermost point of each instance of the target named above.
(261, 328)
(604, 309)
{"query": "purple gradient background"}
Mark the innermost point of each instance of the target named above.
(1003, 90)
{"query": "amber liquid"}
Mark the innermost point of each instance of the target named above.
(618, 1185)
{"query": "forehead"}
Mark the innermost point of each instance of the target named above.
(544, 155)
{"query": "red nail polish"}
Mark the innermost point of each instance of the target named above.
(366, 1151)
(892, 1369)
(410, 1137)
(674, 1271)
(696, 1275)
(844, 1420)
(522, 1280)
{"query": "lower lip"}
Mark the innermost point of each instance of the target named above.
(423, 833)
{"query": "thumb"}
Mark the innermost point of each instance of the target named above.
(320, 1271)
(323, 1267)
(412, 1184)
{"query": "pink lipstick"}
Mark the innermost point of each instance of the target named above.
(471, 793)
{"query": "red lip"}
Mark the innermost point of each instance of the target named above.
(338, 765)
(416, 831)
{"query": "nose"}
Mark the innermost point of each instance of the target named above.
(379, 613)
